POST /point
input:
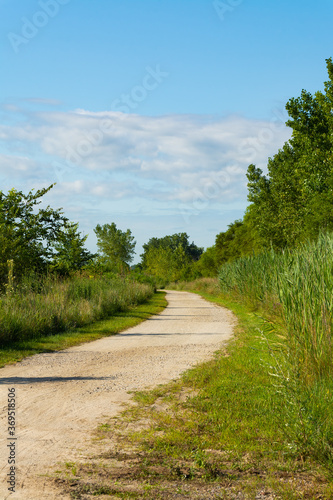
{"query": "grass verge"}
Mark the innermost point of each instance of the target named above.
(118, 322)
(215, 433)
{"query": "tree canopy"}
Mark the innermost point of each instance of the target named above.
(170, 258)
(71, 254)
(294, 201)
(35, 240)
(116, 246)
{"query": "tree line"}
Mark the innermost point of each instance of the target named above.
(39, 241)
(42, 241)
(291, 204)
(34, 240)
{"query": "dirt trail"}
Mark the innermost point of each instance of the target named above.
(62, 397)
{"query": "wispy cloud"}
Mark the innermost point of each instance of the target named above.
(185, 171)
(43, 101)
(16, 164)
(182, 152)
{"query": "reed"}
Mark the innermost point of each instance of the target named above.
(297, 286)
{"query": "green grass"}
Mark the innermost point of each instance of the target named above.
(235, 429)
(224, 423)
(118, 322)
(297, 286)
(235, 410)
(293, 290)
(47, 306)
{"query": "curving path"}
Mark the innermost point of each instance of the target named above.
(62, 397)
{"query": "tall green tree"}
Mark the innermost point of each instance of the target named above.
(117, 247)
(173, 242)
(70, 252)
(170, 258)
(207, 264)
(294, 201)
(239, 239)
(27, 235)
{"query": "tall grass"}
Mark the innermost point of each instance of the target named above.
(298, 286)
(49, 306)
(205, 285)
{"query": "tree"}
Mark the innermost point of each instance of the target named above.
(173, 242)
(239, 239)
(207, 265)
(116, 246)
(27, 236)
(71, 255)
(294, 202)
(170, 258)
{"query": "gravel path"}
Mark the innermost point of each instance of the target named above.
(62, 397)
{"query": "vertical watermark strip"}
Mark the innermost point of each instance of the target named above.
(11, 439)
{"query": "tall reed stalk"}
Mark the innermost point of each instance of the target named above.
(298, 285)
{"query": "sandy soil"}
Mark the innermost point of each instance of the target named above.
(62, 397)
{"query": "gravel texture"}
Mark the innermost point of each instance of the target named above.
(62, 397)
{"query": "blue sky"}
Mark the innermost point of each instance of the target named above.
(147, 113)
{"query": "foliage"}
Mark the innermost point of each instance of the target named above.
(10, 283)
(71, 255)
(294, 202)
(36, 241)
(173, 242)
(207, 264)
(116, 247)
(296, 286)
(52, 305)
(170, 258)
(137, 274)
(205, 286)
(27, 236)
(239, 239)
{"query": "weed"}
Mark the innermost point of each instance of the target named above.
(50, 306)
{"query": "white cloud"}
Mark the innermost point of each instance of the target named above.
(184, 151)
(92, 190)
(15, 164)
(111, 162)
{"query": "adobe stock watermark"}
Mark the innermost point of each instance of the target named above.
(125, 103)
(139, 93)
(222, 8)
(11, 439)
(30, 27)
(211, 190)
(251, 147)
